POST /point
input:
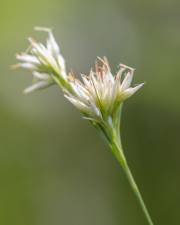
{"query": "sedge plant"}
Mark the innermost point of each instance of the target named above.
(98, 96)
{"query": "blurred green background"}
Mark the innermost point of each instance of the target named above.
(54, 167)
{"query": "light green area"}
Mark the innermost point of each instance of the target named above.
(54, 168)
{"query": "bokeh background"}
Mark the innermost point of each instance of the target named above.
(54, 167)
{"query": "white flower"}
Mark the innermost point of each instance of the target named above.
(100, 93)
(45, 62)
(98, 96)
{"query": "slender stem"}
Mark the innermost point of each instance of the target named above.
(118, 152)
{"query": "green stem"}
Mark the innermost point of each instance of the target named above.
(118, 152)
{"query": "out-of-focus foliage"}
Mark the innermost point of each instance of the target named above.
(54, 168)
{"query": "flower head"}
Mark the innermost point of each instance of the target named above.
(44, 61)
(100, 93)
(98, 96)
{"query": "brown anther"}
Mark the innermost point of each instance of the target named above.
(71, 77)
(15, 66)
(32, 41)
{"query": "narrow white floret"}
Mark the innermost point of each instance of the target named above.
(44, 61)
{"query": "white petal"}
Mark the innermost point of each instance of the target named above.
(41, 76)
(52, 45)
(80, 91)
(127, 81)
(37, 86)
(115, 90)
(27, 58)
(109, 77)
(45, 29)
(45, 56)
(61, 61)
(86, 81)
(28, 66)
(95, 110)
(130, 91)
(119, 74)
(80, 105)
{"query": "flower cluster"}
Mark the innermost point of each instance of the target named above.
(98, 96)
(45, 62)
(100, 93)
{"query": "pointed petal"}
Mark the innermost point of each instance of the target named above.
(119, 74)
(41, 76)
(78, 104)
(130, 91)
(27, 58)
(127, 81)
(52, 45)
(61, 61)
(37, 86)
(27, 66)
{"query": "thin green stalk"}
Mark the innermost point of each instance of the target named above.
(118, 152)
